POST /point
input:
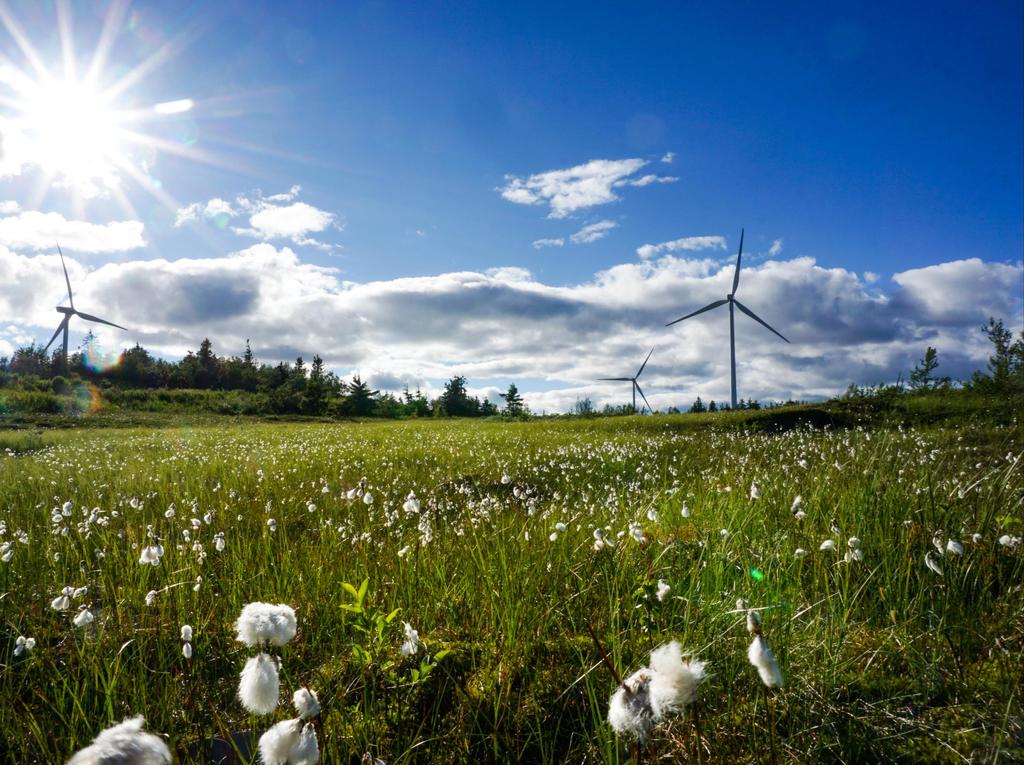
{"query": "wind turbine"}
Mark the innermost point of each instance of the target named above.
(636, 385)
(733, 302)
(68, 313)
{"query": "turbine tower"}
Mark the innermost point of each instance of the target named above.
(68, 313)
(733, 303)
(636, 385)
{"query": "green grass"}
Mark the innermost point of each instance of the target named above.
(884, 660)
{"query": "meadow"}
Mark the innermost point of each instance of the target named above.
(528, 549)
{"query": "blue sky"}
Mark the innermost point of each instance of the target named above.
(847, 141)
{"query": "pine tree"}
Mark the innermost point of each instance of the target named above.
(513, 401)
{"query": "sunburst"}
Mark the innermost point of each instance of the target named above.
(80, 129)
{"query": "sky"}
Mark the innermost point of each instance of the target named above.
(519, 193)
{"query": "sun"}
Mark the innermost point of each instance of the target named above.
(84, 130)
(75, 133)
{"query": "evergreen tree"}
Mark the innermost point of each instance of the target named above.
(360, 399)
(513, 401)
(921, 376)
(315, 398)
(712, 407)
(698, 406)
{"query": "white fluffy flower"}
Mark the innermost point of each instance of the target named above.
(663, 590)
(412, 640)
(23, 644)
(800, 553)
(827, 545)
(124, 744)
(277, 743)
(265, 623)
(674, 682)
(62, 602)
(755, 493)
(151, 554)
(259, 685)
(84, 617)
(761, 656)
(629, 709)
(932, 562)
(305, 750)
(186, 650)
(186, 633)
(306, 703)
(954, 548)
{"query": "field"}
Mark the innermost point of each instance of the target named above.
(892, 651)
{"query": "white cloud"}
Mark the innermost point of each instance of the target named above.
(577, 188)
(593, 232)
(8, 207)
(776, 248)
(33, 230)
(688, 243)
(647, 180)
(505, 325)
(870, 277)
(538, 243)
(667, 157)
(273, 217)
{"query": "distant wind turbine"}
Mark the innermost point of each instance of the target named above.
(732, 301)
(68, 313)
(633, 380)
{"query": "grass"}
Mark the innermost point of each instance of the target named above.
(885, 661)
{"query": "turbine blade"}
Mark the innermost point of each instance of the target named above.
(66, 279)
(641, 392)
(702, 310)
(757, 318)
(644, 364)
(736, 273)
(616, 379)
(89, 317)
(60, 328)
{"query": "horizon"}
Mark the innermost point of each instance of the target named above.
(525, 197)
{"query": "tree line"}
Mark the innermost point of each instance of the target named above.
(283, 388)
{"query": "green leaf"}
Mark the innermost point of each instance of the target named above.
(350, 589)
(362, 589)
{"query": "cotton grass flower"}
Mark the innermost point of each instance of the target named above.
(261, 623)
(760, 655)
(629, 709)
(954, 548)
(84, 618)
(124, 744)
(63, 601)
(305, 751)
(800, 553)
(931, 561)
(827, 545)
(663, 590)
(650, 694)
(755, 493)
(259, 685)
(23, 644)
(151, 554)
(675, 682)
(277, 743)
(412, 640)
(306, 703)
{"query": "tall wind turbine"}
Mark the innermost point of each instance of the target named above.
(732, 301)
(636, 385)
(68, 313)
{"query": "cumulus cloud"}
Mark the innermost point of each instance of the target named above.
(506, 325)
(33, 230)
(593, 232)
(688, 243)
(776, 249)
(538, 243)
(667, 157)
(578, 188)
(273, 217)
